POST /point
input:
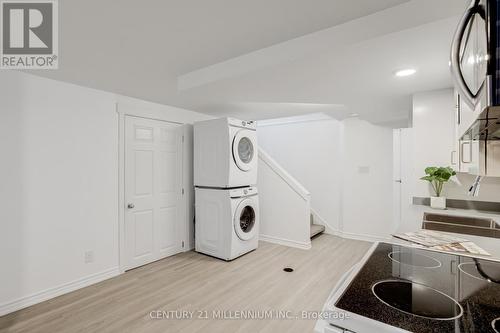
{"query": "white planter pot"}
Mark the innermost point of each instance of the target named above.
(438, 202)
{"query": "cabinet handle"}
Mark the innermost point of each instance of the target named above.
(453, 267)
(453, 159)
(462, 152)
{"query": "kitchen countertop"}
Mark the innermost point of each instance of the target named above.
(414, 222)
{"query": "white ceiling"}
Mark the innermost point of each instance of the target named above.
(262, 58)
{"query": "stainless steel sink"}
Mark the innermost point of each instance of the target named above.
(477, 226)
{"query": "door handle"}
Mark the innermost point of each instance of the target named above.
(130, 206)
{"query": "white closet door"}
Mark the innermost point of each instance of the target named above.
(153, 190)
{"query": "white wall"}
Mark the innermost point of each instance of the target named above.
(59, 187)
(367, 190)
(310, 152)
(347, 167)
(284, 205)
(407, 175)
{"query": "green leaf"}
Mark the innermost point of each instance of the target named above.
(431, 170)
(451, 171)
(437, 176)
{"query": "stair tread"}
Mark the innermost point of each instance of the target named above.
(316, 229)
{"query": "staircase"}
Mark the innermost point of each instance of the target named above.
(285, 207)
(316, 229)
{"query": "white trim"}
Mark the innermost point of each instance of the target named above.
(124, 110)
(363, 237)
(294, 120)
(287, 178)
(121, 190)
(140, 108)
(343, 171)
(50, 293)
(285, 242)
(188, 186)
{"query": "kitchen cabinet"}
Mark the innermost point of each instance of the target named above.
(469, 154)
(436, 140)
(441, 122)
(467, 150)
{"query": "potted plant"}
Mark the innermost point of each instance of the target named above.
(438, 176)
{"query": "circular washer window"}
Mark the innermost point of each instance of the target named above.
(245, 220)
(245, 150)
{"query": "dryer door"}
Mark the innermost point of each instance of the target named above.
(246, 219)
(245, 149)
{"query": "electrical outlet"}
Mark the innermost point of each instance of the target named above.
(89, 257)
(363, 169)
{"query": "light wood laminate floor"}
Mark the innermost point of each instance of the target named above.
(194, 282)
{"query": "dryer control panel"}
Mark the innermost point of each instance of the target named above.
(248, 124)
(243, 192)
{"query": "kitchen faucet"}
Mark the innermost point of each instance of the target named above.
(474, 189)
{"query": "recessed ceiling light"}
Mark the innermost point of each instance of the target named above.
(405, 72)
(354, 114)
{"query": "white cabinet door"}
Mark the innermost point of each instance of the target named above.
(153, 190)
(468, 155)
(467, 149)
(465, 116)
(455, 152)
(434, 118)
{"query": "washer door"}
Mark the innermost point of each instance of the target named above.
(245, 219)
(244, 149)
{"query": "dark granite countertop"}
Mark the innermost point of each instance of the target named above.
(452, 275)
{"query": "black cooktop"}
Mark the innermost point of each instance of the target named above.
(423, 291)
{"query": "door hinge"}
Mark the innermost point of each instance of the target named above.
(183, 138)
(182, 243)
(182, 191)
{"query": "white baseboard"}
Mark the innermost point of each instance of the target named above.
(285, 242)
(47, 294)
(335, 232)
(363, 237)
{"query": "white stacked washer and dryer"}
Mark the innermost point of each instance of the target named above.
(226, 198)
